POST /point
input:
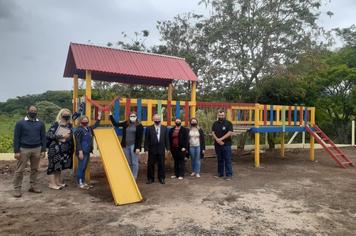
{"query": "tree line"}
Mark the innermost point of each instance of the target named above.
(271, 52)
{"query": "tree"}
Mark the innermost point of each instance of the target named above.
(348, 35)
(242, 41)
(19, 104)
(281, 90)
(336, 88)
(47, 111)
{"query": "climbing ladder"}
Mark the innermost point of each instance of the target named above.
(341, 159)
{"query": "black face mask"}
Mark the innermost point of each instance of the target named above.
(32, 115)
(66, 118)
(157, 122)
(193, 124)
(221, 119)
(178, 124)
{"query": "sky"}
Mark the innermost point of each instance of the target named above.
(35, 34)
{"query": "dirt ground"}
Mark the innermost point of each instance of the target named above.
(286, 196)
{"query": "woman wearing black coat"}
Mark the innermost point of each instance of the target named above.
(178, 140)
(131, 140)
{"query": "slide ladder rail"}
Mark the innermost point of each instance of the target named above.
(339, 156)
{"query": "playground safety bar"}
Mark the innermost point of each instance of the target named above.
(243, 114)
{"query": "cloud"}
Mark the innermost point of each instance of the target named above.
(10, 14)
(35, 34)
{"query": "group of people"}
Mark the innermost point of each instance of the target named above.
(31, 142)
(183, 142)
(179, 140)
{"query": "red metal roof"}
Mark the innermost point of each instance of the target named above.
(126, 66)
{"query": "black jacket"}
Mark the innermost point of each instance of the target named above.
(124, 125)
(151, 143)
(182, 138)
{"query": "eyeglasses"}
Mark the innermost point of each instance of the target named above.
(133, 116)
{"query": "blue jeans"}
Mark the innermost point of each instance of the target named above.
(132, 159)
(223, 154)
(195, 154)
(82, 166)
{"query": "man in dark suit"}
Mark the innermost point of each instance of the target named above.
(156, 143)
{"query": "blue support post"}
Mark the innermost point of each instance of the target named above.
(139, 109)
(239, 115)
(117, 116)
(178, 109)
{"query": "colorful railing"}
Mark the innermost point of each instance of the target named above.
(243, 114)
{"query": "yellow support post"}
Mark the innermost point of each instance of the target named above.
(88, 112)
(257, 138)
(75, 93)
(278, 118)
(169, 158)
(283, 110)
(88, 94)
(229, 114)
(170, 97)
(193, 99)
(149, 112)
(170, 92)
(282, 144)
(312, 122)
(75, 108)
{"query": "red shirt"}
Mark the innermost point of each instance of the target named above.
(175, 138)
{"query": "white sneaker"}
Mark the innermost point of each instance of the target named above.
(173, 177)
(197, 175)
(83, 186)
(180, 178)
(88, 185)
(192, 174)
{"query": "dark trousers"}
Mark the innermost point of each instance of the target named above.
(223, 154)
(152, 160)
(179, 164)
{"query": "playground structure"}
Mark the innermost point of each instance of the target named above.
(114, 65)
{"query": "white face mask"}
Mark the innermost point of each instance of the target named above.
(133, 119)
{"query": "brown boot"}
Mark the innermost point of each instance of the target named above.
(35, 190)
(17, 193)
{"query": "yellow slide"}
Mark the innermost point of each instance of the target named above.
(122, 183)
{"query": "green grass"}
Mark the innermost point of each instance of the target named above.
(7, 126)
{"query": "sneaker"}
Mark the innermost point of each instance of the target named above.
(180, 178)
(228, 178)
(35, 190)
(88, 185)
(17, 193)
(83, 186)
(197, 175)
(218, 177)
(173, 177)
(192, 174)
